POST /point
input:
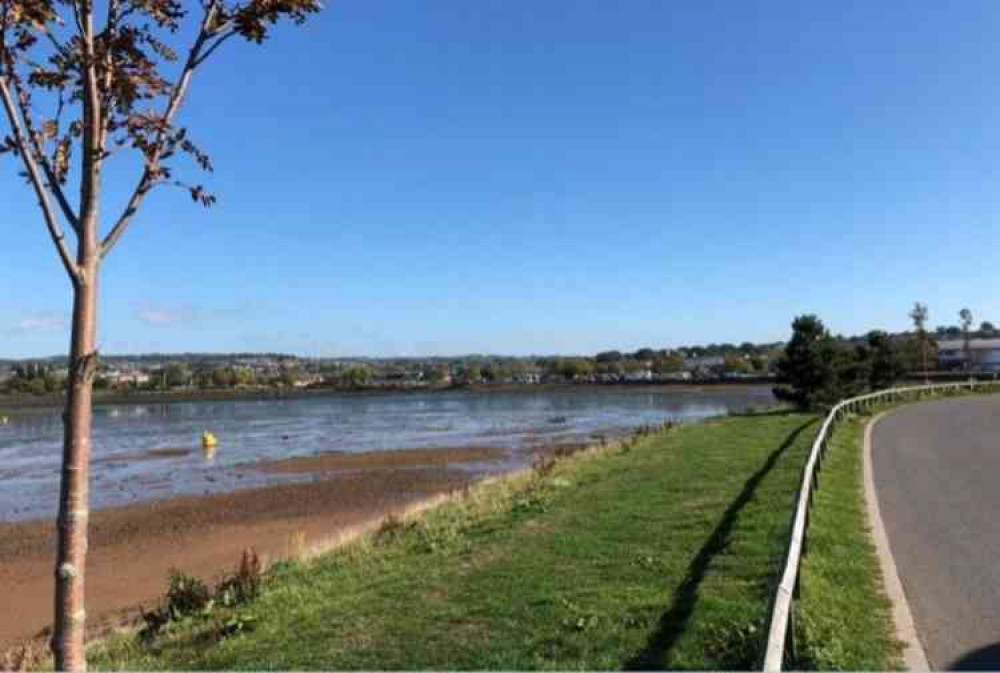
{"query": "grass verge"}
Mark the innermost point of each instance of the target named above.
(659, 554)
(843, 619)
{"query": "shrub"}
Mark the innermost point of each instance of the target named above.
(186, 595)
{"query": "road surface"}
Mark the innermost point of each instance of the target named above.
(936, 467)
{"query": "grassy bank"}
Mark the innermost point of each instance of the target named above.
(843, 618)
(659, 555)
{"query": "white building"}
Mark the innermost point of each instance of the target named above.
(984, 354)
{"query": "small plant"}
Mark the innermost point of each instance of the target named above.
(154, 622)
(238, 623)
(26, 656)
(543, 466)
(186, 595)
(566, 451)
(437, 538)
(392, 528)
(578, 619)
(243, 585)
(735, 644)
(297, 547)
(531, 500)
(646, 561)
(634, 619)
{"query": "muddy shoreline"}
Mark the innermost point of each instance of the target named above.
(133, 547)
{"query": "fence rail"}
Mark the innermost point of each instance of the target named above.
(779, 636)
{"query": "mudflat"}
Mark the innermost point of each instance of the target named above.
(132, 548)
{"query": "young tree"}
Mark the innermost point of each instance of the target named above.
(919, 316)
(79, 82)
(965, 316)
(808, 365)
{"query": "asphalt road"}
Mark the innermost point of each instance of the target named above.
(936, 467)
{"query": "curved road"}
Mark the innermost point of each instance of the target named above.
(936, 467)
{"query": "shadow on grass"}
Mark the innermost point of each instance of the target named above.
(674, 622)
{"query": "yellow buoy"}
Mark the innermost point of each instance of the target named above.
(208, 440)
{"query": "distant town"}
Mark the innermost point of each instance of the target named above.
(952, 351)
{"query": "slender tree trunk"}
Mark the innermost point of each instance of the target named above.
(74, 507)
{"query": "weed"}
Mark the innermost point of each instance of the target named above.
(531, 501)
(645, 561)
(578, 619)
(243, 585)
(154, 622)
(544, 466)
(297, 547)
(25, 656)
(439, 538)
(634, 619)
(186, 595)
(391, 529)
(238, 623)
(735, 645)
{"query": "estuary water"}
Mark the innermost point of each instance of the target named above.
(152, 450)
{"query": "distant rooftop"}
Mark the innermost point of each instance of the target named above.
(974, 344)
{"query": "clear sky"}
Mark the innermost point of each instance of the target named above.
(509, 176)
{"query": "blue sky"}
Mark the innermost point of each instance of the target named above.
(407, 178)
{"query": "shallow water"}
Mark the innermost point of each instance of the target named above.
(149, 451)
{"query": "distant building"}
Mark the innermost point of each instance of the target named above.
(984, 355)
(705, 367)
(120, 378)
(306, 380)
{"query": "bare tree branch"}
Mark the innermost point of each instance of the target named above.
(55, 231)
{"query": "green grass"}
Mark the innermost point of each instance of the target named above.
(843, 618)
(662, 555)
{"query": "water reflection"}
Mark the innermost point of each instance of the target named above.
(147, 450)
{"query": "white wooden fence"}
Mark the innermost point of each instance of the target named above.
(779, 634)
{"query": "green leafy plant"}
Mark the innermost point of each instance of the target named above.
(186, 595)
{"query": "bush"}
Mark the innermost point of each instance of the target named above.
(818, 371)
(186, 595)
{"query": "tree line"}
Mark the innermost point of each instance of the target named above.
(816, 369)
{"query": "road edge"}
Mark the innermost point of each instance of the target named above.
(914, 657)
